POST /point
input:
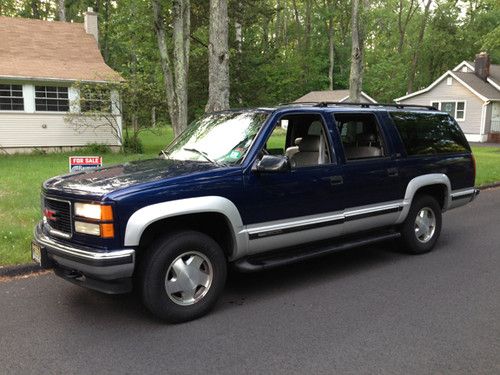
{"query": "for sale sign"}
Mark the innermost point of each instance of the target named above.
(80, 163)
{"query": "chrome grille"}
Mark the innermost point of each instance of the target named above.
(58, 215)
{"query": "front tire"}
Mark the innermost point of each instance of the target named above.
(183, 276)
(422, 226)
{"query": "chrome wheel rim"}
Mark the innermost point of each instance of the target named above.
(188, 278)
(425, 225)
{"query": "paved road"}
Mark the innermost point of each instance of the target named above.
(367, 311)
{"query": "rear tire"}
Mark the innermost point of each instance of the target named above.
(422, 226)
(183, 276)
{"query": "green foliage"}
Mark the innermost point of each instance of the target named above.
(95, 149)
(284, 51)
(132, 144)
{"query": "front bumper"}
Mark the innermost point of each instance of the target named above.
(85, 265)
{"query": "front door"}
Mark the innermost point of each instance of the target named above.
(304, 203)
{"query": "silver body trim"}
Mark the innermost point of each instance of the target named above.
(257, 238)
(145, 216)
(420, 182)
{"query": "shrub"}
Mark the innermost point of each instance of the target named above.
(132, 144)
(95, 148)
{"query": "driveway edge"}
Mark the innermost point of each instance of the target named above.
(19, 270)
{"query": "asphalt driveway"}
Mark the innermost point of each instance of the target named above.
(366, 311)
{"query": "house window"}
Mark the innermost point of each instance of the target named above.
(11, 98)
(51, 98)
(453, 108)
(95, 99)
(449, 81)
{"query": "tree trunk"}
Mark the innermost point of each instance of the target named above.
(218, 58)
(61, 10)
(356, 75)
(175, 79)
(181, 25)
(414, 61)
(238, 30)
(35, 10)
(331, 43)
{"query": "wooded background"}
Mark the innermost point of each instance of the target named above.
(277, 50)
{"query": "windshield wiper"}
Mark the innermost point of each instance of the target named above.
(204, 154)
(164, 154)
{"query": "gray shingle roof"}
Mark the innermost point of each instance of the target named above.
(477, 84)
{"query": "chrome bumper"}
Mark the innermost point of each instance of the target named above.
(100, 265)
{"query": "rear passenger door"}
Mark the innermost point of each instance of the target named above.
(371, 175)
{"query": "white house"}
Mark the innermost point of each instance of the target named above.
(42, 64)
(471, 93)
(332, 96)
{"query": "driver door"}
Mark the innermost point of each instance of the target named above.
(303, 203)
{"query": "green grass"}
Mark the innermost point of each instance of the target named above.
(22, 175)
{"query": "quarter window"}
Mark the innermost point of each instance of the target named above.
(429, 134)
(51, 98)
(11, 98)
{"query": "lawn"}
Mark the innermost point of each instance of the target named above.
(21, 177)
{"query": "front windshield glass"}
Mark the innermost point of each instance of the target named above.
(219, 138)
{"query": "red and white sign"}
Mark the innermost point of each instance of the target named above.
(79, 163)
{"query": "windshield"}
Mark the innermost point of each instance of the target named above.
(220, 138)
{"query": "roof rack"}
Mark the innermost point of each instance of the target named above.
(362, 105)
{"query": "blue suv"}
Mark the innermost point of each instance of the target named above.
(255, 189)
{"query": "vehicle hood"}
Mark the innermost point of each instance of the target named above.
(105, 180)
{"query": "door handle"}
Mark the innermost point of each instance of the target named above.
(336, 180)
(392, 172)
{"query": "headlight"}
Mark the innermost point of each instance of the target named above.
(94, 219)
(87, 228)
(94, 211)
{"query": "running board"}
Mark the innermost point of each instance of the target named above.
(289, 256)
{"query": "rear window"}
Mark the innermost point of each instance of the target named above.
(429, 133)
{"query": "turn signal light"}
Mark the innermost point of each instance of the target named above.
(107, 231)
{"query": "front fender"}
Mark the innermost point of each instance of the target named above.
(145, 216)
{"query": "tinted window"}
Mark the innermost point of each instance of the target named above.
(429, 133)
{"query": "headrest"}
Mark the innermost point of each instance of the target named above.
(309, 143)
(368, 137)
(297, 141)
(314, 128)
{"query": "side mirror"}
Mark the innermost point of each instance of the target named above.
(271, 163)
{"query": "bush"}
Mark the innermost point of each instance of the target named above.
(132, 144)
(95, 148)
(39, 152)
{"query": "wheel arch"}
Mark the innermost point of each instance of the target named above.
(208, 215)
(435, 184)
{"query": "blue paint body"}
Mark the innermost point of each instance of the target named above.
(261, 197)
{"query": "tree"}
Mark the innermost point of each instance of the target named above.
(61, 9)
(416, 52)
(218, 58)
(175, 74)
(356, 76)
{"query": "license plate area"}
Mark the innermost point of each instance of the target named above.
(39, 255)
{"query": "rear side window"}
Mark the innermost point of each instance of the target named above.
(429, 133)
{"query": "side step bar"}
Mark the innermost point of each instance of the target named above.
(289, 256)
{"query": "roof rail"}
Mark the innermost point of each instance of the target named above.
(362, 105)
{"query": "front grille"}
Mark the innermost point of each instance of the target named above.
(59, 217)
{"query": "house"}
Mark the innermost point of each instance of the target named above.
(471, 93)
(332, 96)
(41, 65)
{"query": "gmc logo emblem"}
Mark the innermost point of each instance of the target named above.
(50, 214)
